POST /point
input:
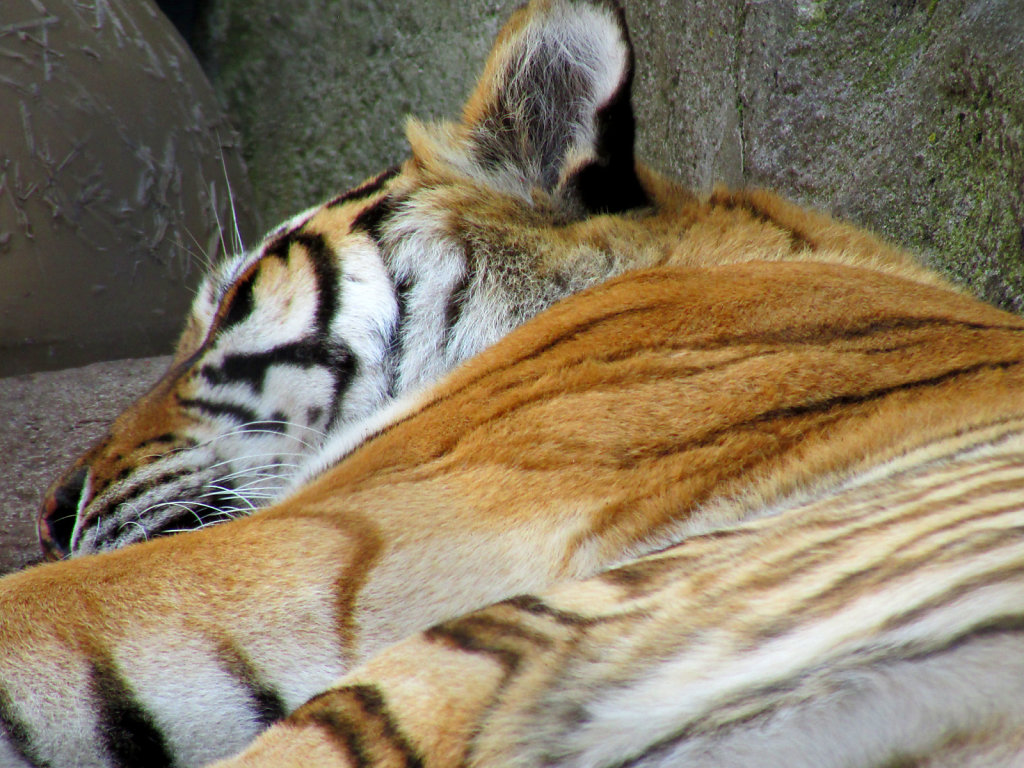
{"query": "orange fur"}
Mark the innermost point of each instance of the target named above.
(588, 436)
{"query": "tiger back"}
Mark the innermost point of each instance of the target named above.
(657, 407)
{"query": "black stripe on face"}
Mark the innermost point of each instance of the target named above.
(252, 368)
(325, 267)
(239, 413)
(241, 302)
(135, 492)
(363, 191)
(127, 730)
(330, 353)
(317, 348)
(371, 221)
(17, 733)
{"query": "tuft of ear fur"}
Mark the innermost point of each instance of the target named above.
(550, 118)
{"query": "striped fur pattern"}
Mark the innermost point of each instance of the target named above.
(794, 422)
(293, 350)
(878, 625)
(562, 464)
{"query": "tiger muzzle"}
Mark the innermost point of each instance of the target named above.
(59, 514)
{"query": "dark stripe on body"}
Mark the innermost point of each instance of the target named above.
(989, 578)
(534, 605)
(809, 335)
(127, 730)
(17, 733)
(396, 343)
(830, 409)
(373, 703)
(345, 712)
(768, 696)
(813, 334)
(455, 305)
(267, 704)
(843, 401)
(862, 581)
(798, 241)
(480, 633)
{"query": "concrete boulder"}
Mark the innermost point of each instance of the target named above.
(116, 168)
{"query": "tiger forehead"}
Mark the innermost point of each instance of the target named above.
(337, 222)
(333, 221)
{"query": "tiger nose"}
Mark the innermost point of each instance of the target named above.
(59, 513)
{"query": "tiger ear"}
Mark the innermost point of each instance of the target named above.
(551, 116)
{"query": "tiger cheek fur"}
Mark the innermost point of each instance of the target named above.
(259, 379)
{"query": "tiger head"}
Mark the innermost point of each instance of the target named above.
(374, 293)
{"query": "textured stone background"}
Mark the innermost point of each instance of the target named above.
(906, 116)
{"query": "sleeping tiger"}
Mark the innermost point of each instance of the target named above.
(521, 454)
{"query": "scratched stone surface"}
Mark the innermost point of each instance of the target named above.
(115, 164)
(46, 420)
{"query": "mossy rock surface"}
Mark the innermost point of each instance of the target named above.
(907, 117)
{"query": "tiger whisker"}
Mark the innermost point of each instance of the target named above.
(280, 423)
(260, 488)
(285, 464)
(231, 200)
(137, 524)
(216, 218)
(298, 440)
(191, 505)
(200, 256)
(257, 474)
(222, 489)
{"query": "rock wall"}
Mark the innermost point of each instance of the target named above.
(906, 116)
